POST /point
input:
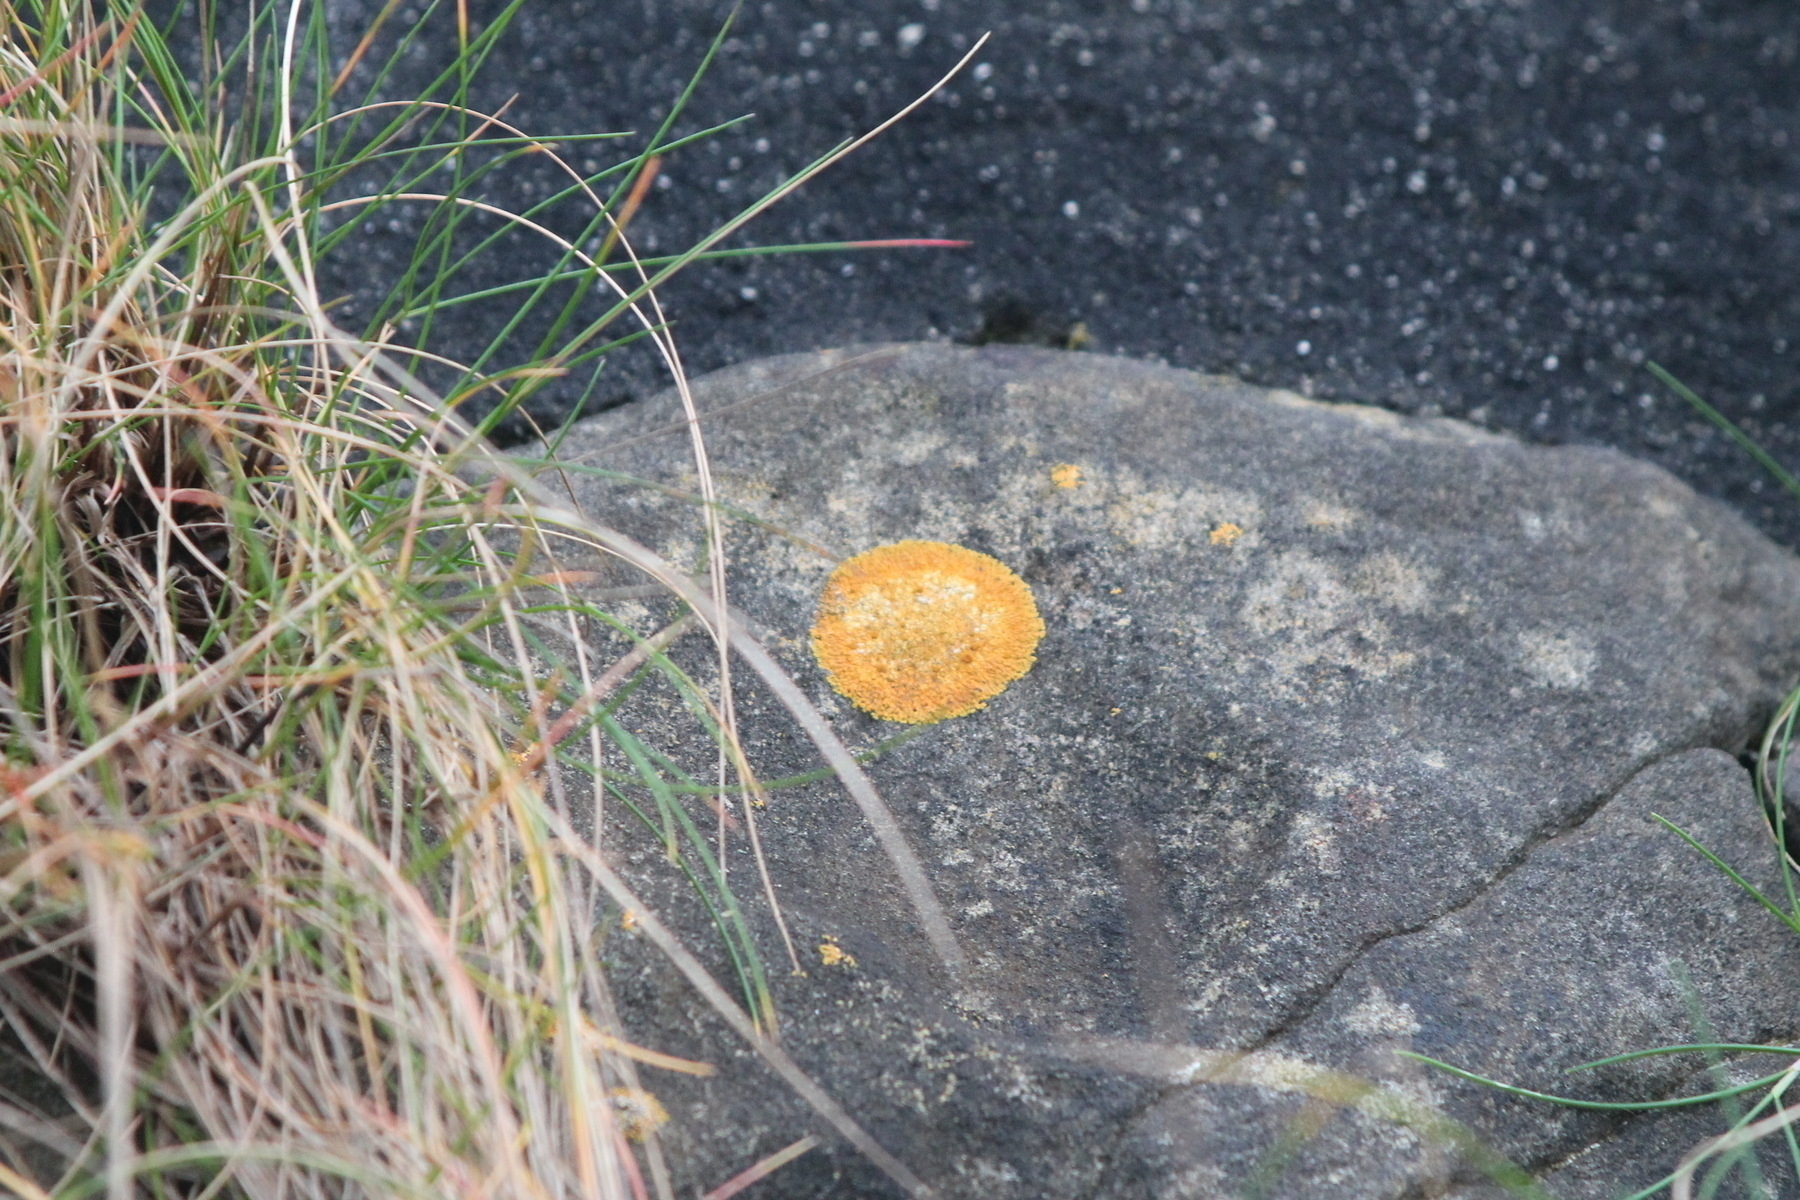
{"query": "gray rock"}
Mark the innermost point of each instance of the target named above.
(1612, 937)
(1342, 737)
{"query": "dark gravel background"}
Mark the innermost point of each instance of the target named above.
(1499, 209)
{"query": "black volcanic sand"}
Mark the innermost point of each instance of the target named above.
(1498, 210)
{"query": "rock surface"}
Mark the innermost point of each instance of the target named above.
(1344, 738)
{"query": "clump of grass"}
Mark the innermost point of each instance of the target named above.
(297, 687)
(267, 828)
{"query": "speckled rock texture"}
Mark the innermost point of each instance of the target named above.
(1344, 738)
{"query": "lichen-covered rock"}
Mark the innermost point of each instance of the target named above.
(1342, 738)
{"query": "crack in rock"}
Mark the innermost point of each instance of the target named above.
(1580, 818)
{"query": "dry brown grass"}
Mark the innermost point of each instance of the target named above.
(282, 913)
(298, 889)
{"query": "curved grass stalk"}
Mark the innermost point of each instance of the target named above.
(893, 842)
(548, 510)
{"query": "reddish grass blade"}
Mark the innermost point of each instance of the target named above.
(766, 1167)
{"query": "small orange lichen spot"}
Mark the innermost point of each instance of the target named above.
(628, 921)
(1227, 533)
(921, 631)
(834, 955)
(1065, 475)
(1115, 712)
(638, 1112)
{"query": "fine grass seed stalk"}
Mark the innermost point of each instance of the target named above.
(306, 713)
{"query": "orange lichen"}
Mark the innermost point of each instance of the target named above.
(921, 631)
(834, 955)
(1226, 534)
(638, 1113)
(1065, 475)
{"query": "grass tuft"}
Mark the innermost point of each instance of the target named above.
(305, 711)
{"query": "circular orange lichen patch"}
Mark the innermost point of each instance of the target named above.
(920, 631)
